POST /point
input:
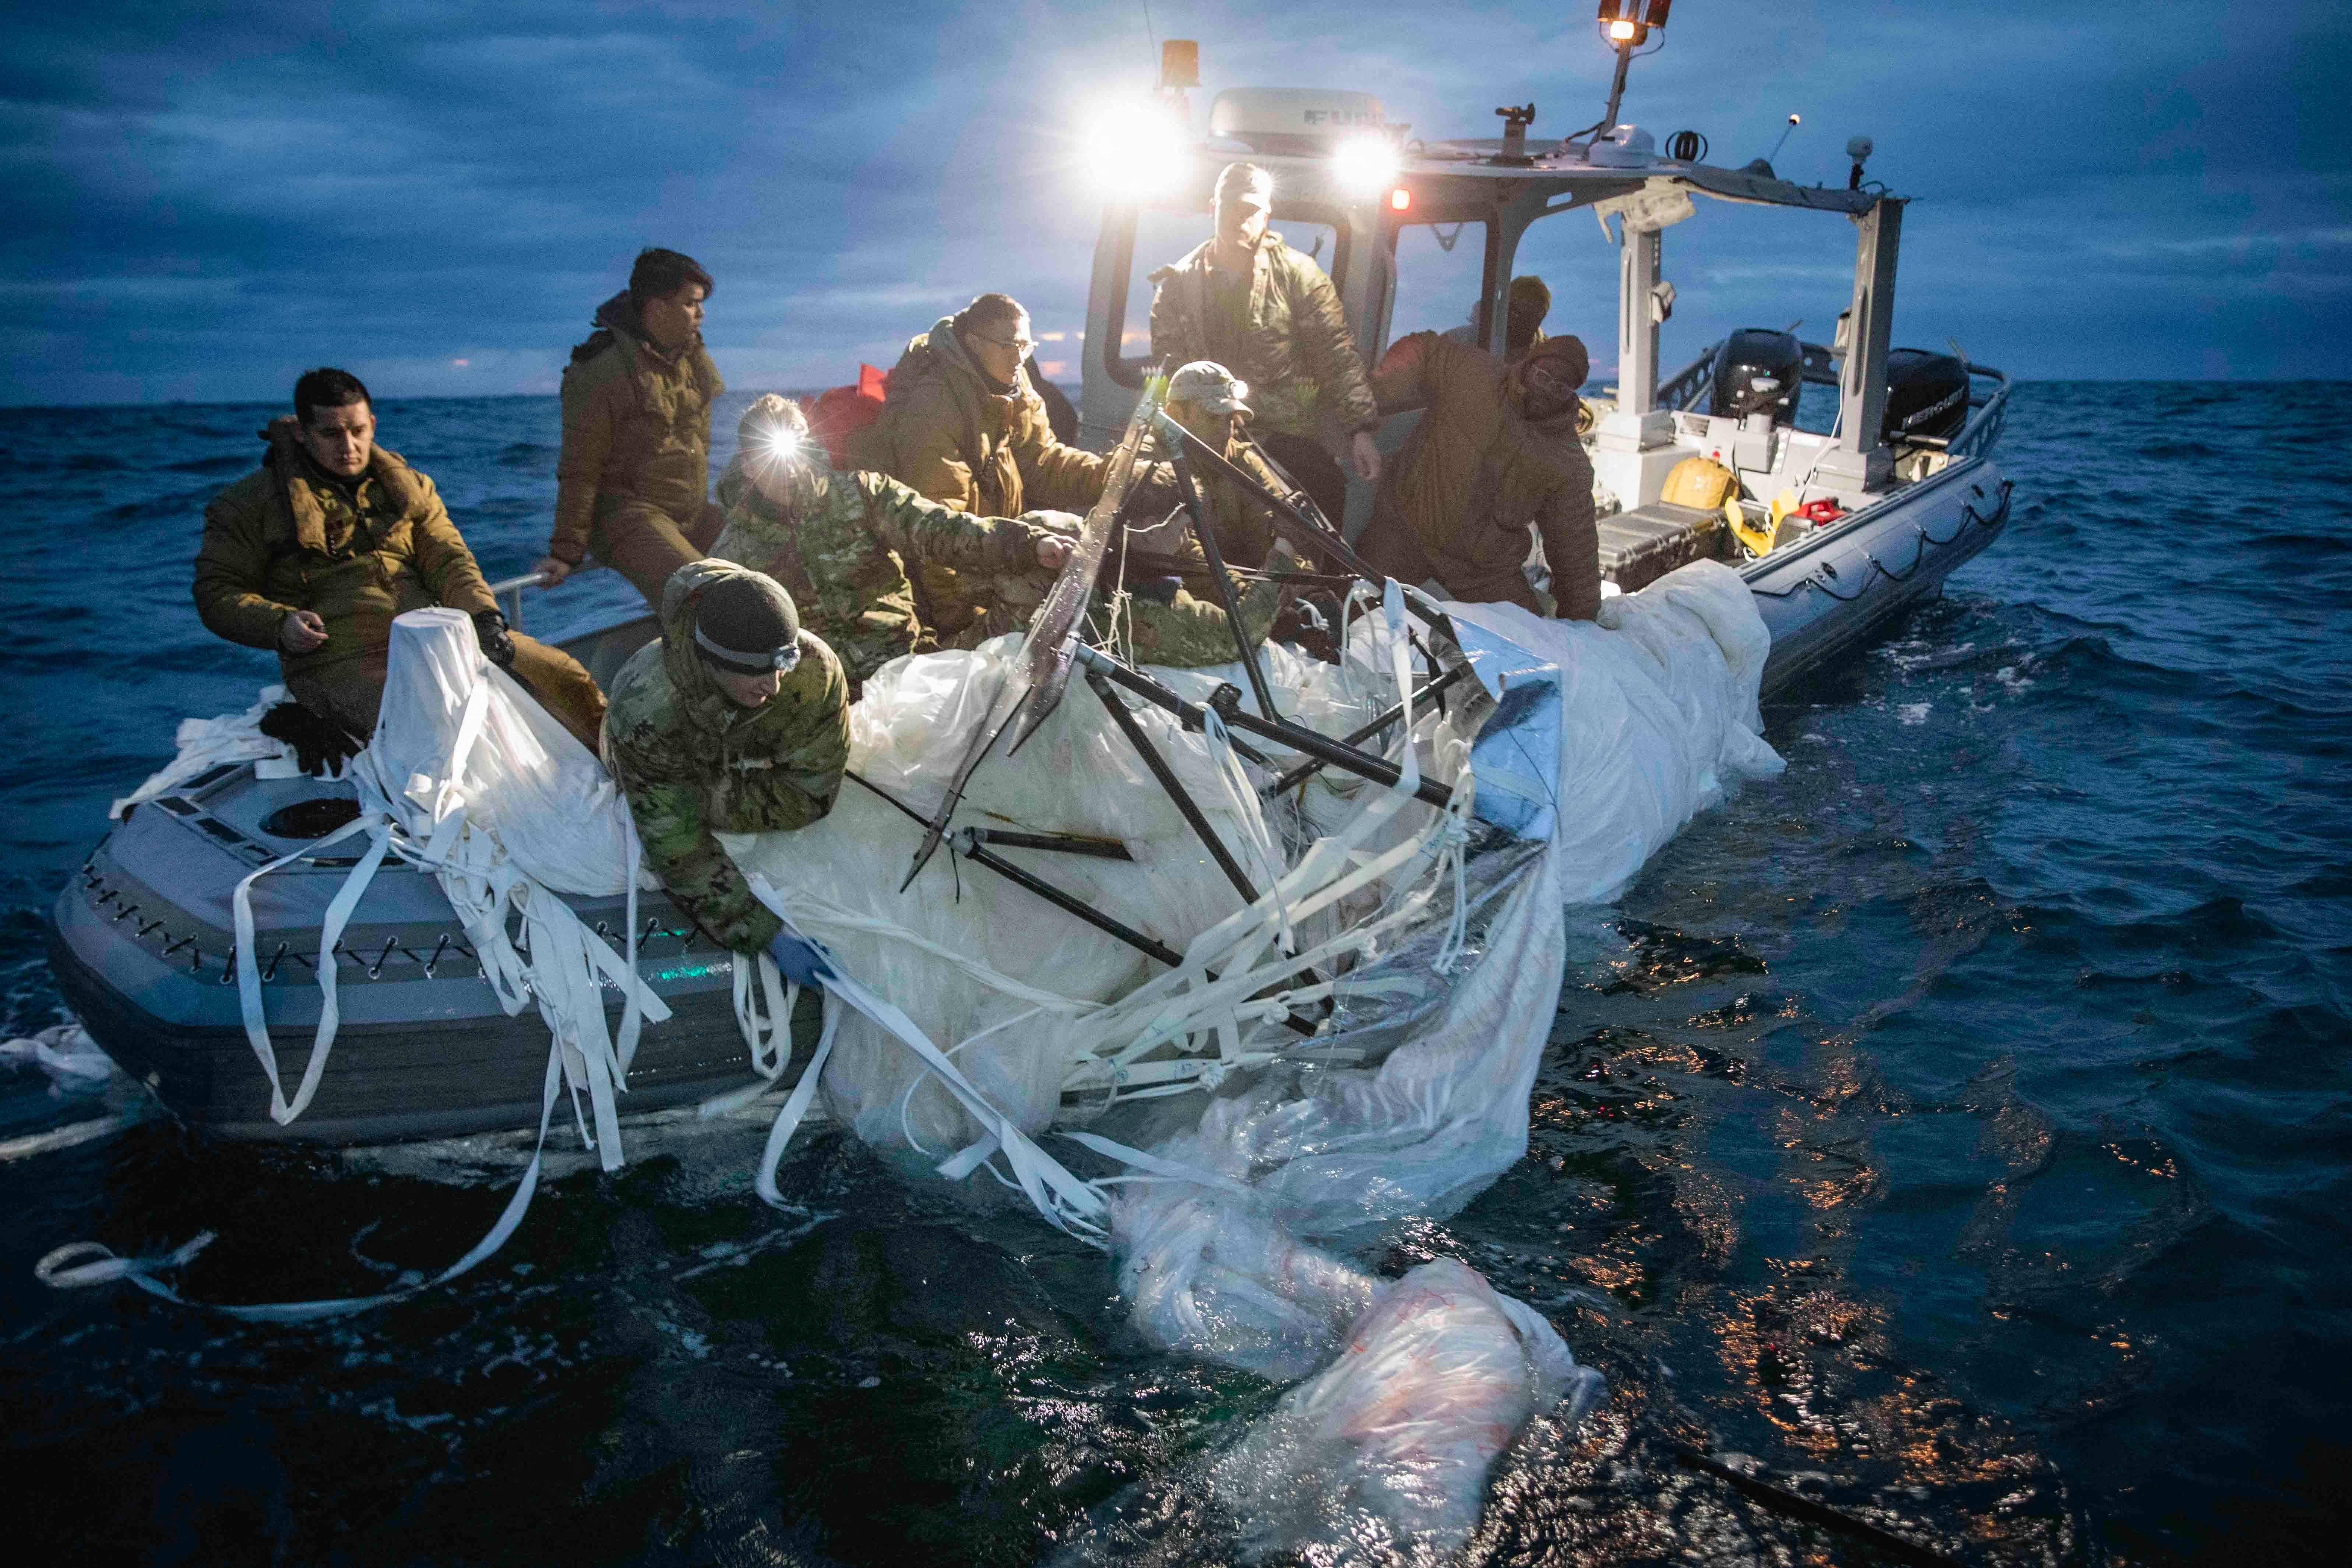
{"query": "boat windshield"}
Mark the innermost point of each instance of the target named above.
(1439, 271)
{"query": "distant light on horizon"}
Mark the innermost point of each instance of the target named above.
(461, 364)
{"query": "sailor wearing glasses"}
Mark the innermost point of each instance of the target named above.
(1495, 453)
(963, 426)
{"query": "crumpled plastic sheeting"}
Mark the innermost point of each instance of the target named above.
(1657, 711)
(1219, 1281)
(1390, 1444)
(962, 950)
(1384, 1455)
(526, 781)
(1659, 715)
(75, 1063)
(202, 744)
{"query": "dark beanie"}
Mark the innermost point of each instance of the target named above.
(1574, 364)
(747, 623)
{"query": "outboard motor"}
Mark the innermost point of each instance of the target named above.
(1927, 395)
(1758, 371)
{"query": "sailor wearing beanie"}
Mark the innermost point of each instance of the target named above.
(736, 722)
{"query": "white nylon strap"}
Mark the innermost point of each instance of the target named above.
(80, 1264)
(248, 969)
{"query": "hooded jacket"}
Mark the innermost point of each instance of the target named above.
(1474, 473)
(636, 428)
(846, 562)
(1288, 337)
(948, 433)
(694, 765)
(289, 537)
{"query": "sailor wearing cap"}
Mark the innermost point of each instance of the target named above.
(1211, 402)
(736, 722)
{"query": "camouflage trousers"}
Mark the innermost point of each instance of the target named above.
(1009, 603)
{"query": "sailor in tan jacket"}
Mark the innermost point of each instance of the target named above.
(313, 553)
(632, 483)
(1496, 452)
(963, 426)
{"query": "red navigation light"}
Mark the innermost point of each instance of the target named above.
(1399, 200)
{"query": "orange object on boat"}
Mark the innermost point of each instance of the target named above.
(837, 413)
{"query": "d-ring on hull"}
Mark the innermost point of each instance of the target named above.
(1836, 591)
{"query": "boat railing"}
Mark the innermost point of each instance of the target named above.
(1987, 413)
(1688, 385)
(1975, 438)
(508, 591)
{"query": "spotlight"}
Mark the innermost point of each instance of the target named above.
(1364, 162)
(1136, 150)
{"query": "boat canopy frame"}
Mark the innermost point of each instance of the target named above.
(1455, 182)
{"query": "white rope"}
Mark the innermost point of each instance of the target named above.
(81, 1264)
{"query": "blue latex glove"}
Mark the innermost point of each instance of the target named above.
(802, 962)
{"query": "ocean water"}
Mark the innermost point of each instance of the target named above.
(1959, 1127)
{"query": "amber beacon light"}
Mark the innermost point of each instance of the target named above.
(1630, 21)
(1625, 25)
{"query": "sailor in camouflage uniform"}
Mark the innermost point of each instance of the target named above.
(736, 722)
(1175, 617)
(840, 542)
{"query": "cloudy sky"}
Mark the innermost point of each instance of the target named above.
(437, 195)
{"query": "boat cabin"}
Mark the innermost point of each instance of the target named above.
(1352, 189)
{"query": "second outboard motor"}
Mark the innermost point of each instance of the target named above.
(1927, 395)
(1758, 370)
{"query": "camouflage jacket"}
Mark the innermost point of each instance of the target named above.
(1194, 629)
(1288, 339)
(636, 426)
(693, 763)
(287, 538)
(845, 566)
(1474, 473)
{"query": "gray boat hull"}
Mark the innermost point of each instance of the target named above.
(140, 940)
(1829, 595)
(141, 944)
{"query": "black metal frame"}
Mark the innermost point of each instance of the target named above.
(1226, 704)
(972, 843)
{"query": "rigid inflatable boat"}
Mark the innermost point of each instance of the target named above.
(1834, 533)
